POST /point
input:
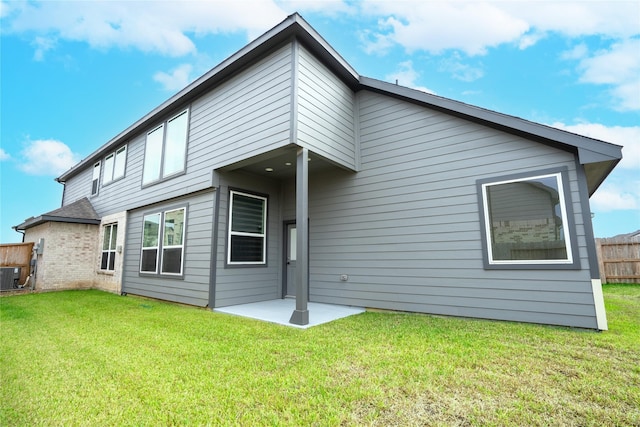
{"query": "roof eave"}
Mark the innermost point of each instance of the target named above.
(49, 218)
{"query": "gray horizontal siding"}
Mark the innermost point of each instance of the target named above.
(194, 287)
(325, 112)
(406, 228)
(246, 115)
(79, 188)
(240, 285)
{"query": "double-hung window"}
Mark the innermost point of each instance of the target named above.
(95, 179)
(165, 149)
(163, 242)
(109, 238)
(114, 165)
(247, 237)
(526, 221)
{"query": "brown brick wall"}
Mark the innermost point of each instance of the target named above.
(67, 259)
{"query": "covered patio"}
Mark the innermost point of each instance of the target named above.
(291, 163)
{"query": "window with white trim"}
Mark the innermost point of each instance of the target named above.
(525, 221)
(247, 236)
(114, 165)
(163, 242)
(165, 149)
(109, 238)
(95, 179)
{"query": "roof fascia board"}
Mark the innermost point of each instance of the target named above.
(589, 150)
(48, 218)
(323, 50)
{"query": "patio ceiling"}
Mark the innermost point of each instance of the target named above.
(280, 163)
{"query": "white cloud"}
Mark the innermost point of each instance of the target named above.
(611, 197)
(333, 8)
(578, 52)
(530, 39)
(619, 67)
(620, 190)
(474, 27)
(617, 19)
(47, 157)
(375, 43)
(161, 27)
(178, 78)
(406, 75)
(459, 70)
(4, 155)
(42, 45)
(471, 27)
(627, 136)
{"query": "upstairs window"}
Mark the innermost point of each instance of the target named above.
(526, 221)
(247, 239)
(165, 149)
(109, 237)
(114, 165)
(95, 180)
(163, 242)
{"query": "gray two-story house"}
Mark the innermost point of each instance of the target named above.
(283, 172)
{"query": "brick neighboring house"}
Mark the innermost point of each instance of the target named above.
(65, 249)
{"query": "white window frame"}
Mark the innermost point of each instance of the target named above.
(157, 171)
(111, 170)
(160, 247)
(95, 179)
(111, 252)
(156, 247)
(262, 235)
(568, 237)
(173, 246)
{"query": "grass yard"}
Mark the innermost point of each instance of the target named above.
(92, 358)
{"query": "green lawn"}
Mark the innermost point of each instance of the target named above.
(92, 358)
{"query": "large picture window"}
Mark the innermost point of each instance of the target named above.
(165, 149)
(526, 221)
(114, 165)
(109, 238)
(163, 242)
(247, 237)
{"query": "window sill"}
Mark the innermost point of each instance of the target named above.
(113, 181)
(162, 276)
(163, 179)
(540, 266)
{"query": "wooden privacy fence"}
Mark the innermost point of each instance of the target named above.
(619, 259)
(17, 255)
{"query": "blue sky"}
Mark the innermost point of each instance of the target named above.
(75, 74)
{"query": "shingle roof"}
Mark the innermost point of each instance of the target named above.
(80, 211)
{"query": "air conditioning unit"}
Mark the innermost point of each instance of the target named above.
(9, 278)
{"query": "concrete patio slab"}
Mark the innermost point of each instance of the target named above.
(280, 310)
